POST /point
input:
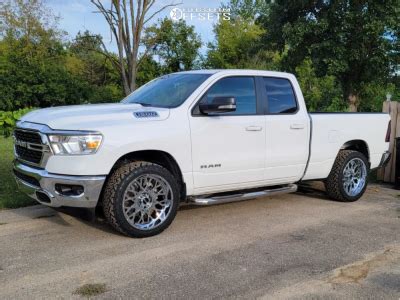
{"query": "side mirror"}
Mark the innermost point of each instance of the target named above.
(218, 105)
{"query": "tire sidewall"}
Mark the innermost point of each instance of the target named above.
(118, 204)
(341, 185)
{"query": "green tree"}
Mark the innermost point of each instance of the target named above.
(175, 43)
(238, 41)
(148, 70)
(127, 21)
(247, 9)
(88, 61)
(32, 57)
(355, 41)
(320, 93)
(374, 93)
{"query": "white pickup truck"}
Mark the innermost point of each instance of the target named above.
(207, 137)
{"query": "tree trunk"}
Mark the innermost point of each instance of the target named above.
(125, 84)
(124, 78)
(126, 22)
(353, 102)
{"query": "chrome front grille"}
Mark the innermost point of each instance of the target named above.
(30, 147)
(28, 136)
(28, 154)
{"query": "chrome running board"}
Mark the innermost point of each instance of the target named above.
(204, 200)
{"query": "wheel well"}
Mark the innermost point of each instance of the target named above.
(357, 145)
(158, 157)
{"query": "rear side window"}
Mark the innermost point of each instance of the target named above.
(281, 98)
(242, 88)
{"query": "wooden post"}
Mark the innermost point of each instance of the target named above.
(397, 135)
(381, 171)
(387, 174)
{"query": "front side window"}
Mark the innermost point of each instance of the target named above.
(167, 91)
(241, 88)
(281, 98)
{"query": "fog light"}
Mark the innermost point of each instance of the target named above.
(69, 189)
(42, 197)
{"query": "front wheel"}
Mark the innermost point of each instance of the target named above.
(348, 178)
(141, 199)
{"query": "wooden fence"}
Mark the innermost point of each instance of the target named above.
(387, 174)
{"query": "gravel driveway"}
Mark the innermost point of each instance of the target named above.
(290, 246)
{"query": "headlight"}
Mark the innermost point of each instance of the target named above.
(75, 144)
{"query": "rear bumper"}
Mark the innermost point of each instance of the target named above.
(385, 159)
(41, 186)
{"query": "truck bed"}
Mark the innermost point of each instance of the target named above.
(331, 131)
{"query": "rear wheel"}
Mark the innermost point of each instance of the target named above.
(141, 199)
(348, 178)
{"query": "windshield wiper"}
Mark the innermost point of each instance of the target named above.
(148, 104)
(143, 104)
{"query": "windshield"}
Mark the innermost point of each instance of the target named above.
(167, 91)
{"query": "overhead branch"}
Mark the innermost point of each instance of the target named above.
(160, 10)
(126, 21)
(103, 52)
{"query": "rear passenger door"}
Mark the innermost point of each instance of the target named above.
(287, 131)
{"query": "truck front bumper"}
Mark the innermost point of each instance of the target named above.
(58, 190)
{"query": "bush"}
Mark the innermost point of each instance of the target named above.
(8, 119)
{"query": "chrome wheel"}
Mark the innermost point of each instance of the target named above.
(147, 201)
(354, 177)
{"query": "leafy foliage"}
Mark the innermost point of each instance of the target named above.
(237, 43)
(148, 70)
(346, 55)
(8, 120)
(38, 69)
(87, 62)
(10, 196)
(320, 93)
(176, 43)
(248, 10)
(354, 41)
(373, 93)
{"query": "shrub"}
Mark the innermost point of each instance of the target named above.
(8, 119)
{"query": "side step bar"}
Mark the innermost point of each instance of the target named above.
(291, 188)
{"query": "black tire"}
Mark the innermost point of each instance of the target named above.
(114, 193)
(334, 184)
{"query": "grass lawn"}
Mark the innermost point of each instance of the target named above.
(10, 197)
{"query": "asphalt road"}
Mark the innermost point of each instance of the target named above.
(298, 246)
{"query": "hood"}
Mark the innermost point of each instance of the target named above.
(94, 116)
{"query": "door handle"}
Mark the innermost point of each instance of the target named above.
(297, 126)
(253, 128)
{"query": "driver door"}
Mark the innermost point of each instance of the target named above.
(228, 149)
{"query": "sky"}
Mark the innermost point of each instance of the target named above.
(79, 15)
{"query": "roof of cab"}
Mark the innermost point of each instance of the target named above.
(203, 71)
(238, 71)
